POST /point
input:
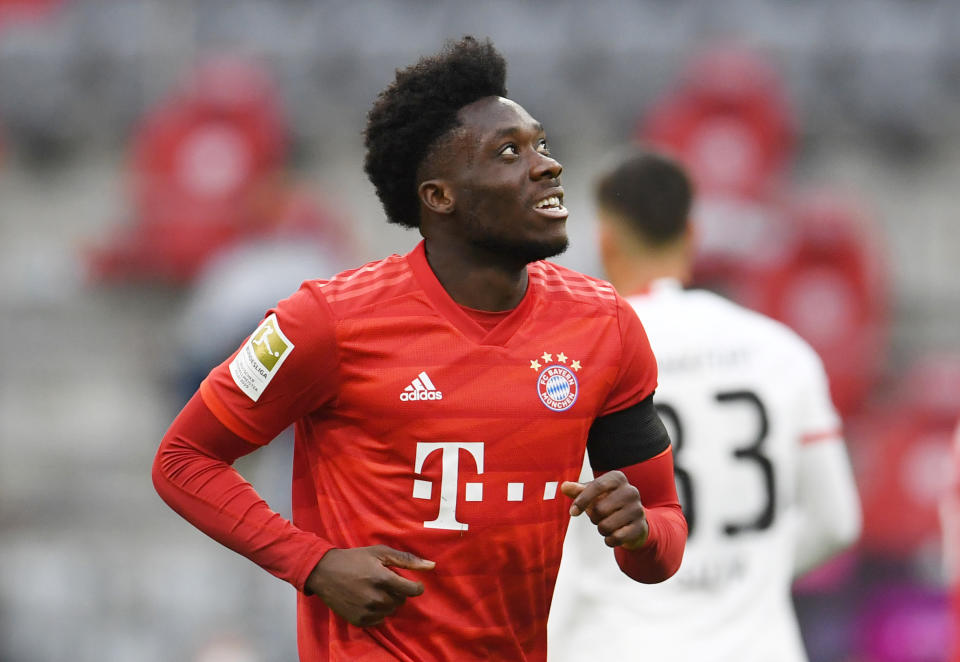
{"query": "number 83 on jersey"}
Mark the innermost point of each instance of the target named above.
(751, 479)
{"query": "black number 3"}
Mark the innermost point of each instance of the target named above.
(752, 452)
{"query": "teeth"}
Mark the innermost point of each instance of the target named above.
(552, 201)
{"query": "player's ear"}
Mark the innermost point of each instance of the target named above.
(437, 196)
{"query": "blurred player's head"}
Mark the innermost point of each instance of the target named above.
(643, 212)
(450, 155)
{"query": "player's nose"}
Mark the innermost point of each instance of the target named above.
(545, 167)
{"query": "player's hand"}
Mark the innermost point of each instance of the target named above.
(358, 584)
(613, 504)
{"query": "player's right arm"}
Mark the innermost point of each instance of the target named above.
(233, 414)
(193, 474)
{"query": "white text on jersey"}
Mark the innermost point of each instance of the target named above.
(421, 388)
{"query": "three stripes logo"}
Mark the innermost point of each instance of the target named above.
(421, 388)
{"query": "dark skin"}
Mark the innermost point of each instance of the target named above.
(479, 194)
(486, 179)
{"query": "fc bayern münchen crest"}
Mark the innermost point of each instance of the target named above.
(557, 387)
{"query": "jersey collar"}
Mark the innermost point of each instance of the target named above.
(659, 286)
(451, 310)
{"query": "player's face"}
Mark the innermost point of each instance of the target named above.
(507, 186)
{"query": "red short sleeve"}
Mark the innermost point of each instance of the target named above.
(637, 377)
(286, 369)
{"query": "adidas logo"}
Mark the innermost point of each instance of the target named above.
(421, 388)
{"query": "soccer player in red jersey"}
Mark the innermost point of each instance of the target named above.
(443, 401)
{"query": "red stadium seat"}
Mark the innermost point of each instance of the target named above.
(176, 250)
(815, 265)
(831, 290)
(200, 163)
(15, 11)
(903, 452)
(220, 134)
(729, 121)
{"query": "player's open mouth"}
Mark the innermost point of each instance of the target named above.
(552, 205)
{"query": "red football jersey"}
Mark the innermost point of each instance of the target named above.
(419, 429)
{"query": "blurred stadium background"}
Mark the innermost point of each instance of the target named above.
(170, 166)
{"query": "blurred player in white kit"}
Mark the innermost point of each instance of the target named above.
(761, 467)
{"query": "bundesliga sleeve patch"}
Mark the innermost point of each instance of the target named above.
(260, 358)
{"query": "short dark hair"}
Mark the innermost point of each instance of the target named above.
(650, 191)
(418, 108)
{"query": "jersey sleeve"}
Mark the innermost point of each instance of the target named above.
(193, 473)
(828, 504)
(820, 418)
(285, 369)
(637, 376)
(627, 437)
(659, 557)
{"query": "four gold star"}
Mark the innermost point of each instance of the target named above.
(534, 365)
(561, 357)
(547, 357)
(575, 365)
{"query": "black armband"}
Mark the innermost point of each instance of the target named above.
(627, 437)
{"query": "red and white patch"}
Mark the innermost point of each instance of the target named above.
(557, 387)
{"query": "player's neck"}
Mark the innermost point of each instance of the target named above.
(635, 274)
(476, 280)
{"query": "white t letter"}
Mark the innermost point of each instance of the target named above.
(449, 478)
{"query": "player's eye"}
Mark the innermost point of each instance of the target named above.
(543, 147)
(509, 149)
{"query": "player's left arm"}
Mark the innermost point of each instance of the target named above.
(633, 499)
(828, 503)
(827, 499)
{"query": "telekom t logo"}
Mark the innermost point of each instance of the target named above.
(449, 480)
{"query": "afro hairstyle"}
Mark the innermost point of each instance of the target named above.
(417, 109)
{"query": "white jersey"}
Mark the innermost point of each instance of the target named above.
(743, 398)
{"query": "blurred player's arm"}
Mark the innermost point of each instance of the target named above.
(829, 505)
(633, 499)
